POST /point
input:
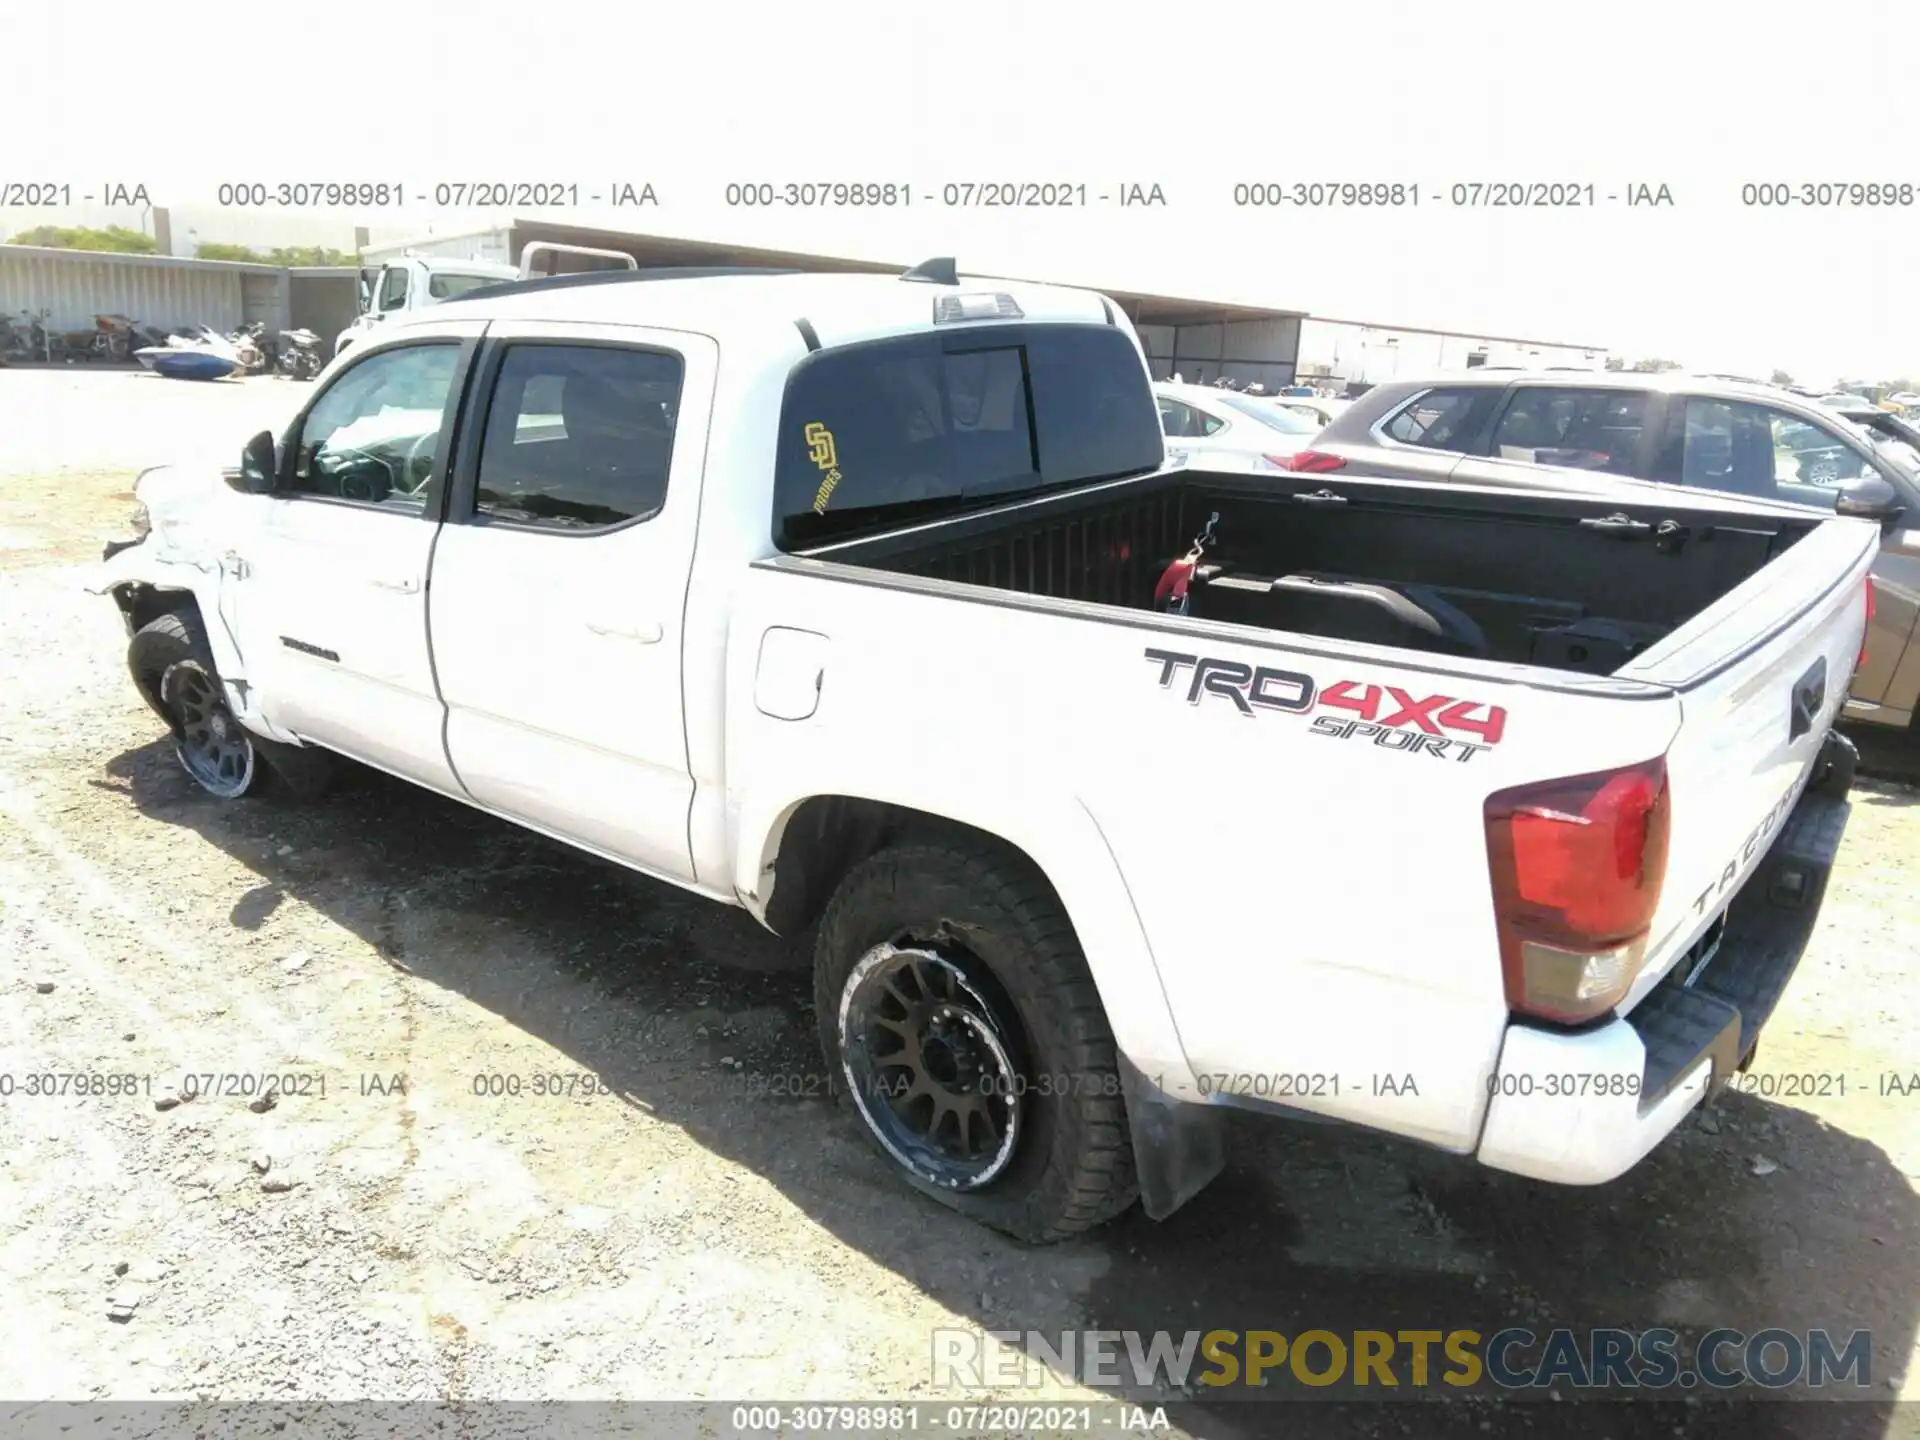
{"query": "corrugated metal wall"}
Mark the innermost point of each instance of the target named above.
(1375, 355)
(1242, 350)
(76, 289)
(324, 304)
(264, 298)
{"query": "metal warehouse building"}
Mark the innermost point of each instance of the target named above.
(170, 291)
(1199, 340)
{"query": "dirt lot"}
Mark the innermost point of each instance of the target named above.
(687, 1234)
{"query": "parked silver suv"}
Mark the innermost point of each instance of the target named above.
(1606, 429)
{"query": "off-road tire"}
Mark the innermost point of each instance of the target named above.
(1073, 1166)
(298, 771)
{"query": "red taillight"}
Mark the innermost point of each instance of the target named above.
(1315, 462)
(1866, 628)
(1577, 867)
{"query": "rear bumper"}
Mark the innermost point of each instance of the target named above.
(1582, 1107)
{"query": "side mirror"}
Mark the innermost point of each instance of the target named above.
(1871, 497)
(257, 466)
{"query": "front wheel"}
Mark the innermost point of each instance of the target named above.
(961, 1025)
(174, 669)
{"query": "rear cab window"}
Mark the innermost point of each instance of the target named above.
(1447, 418)
(917, 427)
(445, 285)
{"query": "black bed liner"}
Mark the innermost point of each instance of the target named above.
(1580, 583)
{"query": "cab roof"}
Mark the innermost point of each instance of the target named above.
(1687, 381)
(839, 309)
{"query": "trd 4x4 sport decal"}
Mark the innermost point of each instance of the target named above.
(1392, 718)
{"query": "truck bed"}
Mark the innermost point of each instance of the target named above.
(1577, 583)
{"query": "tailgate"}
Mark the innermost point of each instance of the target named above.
(1761, 676)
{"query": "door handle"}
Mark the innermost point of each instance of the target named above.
(405, 586)
(647, 632)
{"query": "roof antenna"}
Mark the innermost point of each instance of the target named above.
(941, 270)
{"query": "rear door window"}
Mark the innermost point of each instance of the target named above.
(896, 431)
(578, 437)
(1274, 417)
(1182, 422)
(1582, 429)
(1707, 451)
(1445, 419)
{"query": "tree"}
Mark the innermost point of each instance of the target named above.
(289, 255)
(116, 238)
(1653, 367)
(311, 255)
(1614, 362)
(1780, 378)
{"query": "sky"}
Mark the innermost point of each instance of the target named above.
(1704, 98)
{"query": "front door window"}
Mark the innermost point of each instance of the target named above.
(374, 436)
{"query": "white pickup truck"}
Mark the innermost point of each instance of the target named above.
(1493, 819)
(413, 282)
(410, 284)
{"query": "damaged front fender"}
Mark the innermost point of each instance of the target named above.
(147, 581)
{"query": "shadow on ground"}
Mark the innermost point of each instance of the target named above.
(1311, 1227)
(1888, 754)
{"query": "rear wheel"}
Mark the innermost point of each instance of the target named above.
(961, 1025)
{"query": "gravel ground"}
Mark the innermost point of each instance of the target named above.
(673, 1228)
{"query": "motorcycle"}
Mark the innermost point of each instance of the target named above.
(246, 340)
(116, 337)
(21, 341)
(299, 357)
(38, 338)
(72, 345)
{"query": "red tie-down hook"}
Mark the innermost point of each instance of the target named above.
(1170, 594)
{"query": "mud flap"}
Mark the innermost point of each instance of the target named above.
(1839, 758)
(1177, 1147)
